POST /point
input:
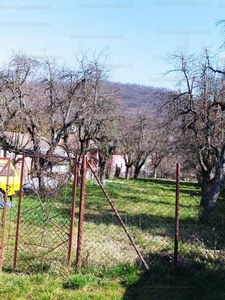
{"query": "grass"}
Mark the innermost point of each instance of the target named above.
(111, 268)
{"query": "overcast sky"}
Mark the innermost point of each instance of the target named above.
(138, 35)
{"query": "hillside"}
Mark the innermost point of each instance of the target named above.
(141, 98)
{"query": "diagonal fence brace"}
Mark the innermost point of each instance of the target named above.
(119, 218)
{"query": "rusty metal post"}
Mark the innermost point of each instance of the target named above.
(72, 214)
(18, 214)
(81, 211)
(177, 206)
(2, 245)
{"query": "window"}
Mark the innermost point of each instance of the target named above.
(5, 172)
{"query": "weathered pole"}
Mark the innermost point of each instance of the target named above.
(2, 245)
(81, 212)
(18, 214)
(177, 206)
(73, 206)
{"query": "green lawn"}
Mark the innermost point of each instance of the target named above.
(111, 268)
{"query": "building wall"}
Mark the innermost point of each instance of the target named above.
(116, 162)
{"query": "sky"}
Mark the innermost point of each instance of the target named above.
(137, 35)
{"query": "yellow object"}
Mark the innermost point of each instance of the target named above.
(9, 178)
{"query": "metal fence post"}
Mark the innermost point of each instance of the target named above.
(177, 204)
(18, 214)
(81, 211)
(72, 214)
(2, 245)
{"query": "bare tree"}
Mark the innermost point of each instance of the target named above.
(94, 102)
(137, 141)
(50, 102)
(199, 105)
(106, 142)
(127, 141)
(17, 93)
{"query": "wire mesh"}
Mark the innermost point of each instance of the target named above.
(146, 208)
(148, 211)
(106, 242)
(199, 241)
(44, 219)
(7, 180)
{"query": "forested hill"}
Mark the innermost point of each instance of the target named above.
(139, 97)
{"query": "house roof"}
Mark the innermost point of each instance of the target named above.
(19, 142)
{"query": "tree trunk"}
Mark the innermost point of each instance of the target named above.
(138, 168)
(154, 173)
(210, 193)
(102, 173)
(127, 171)
(117, 171)
(137, 171)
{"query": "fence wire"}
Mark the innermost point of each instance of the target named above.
(150, 219)
(146, 208)
(201, 242)
(105, 241)
(40, 221)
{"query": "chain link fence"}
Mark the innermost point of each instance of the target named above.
(37, 234)
(201, 242)
(109, 224)
(151, 227)
(148, 211)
